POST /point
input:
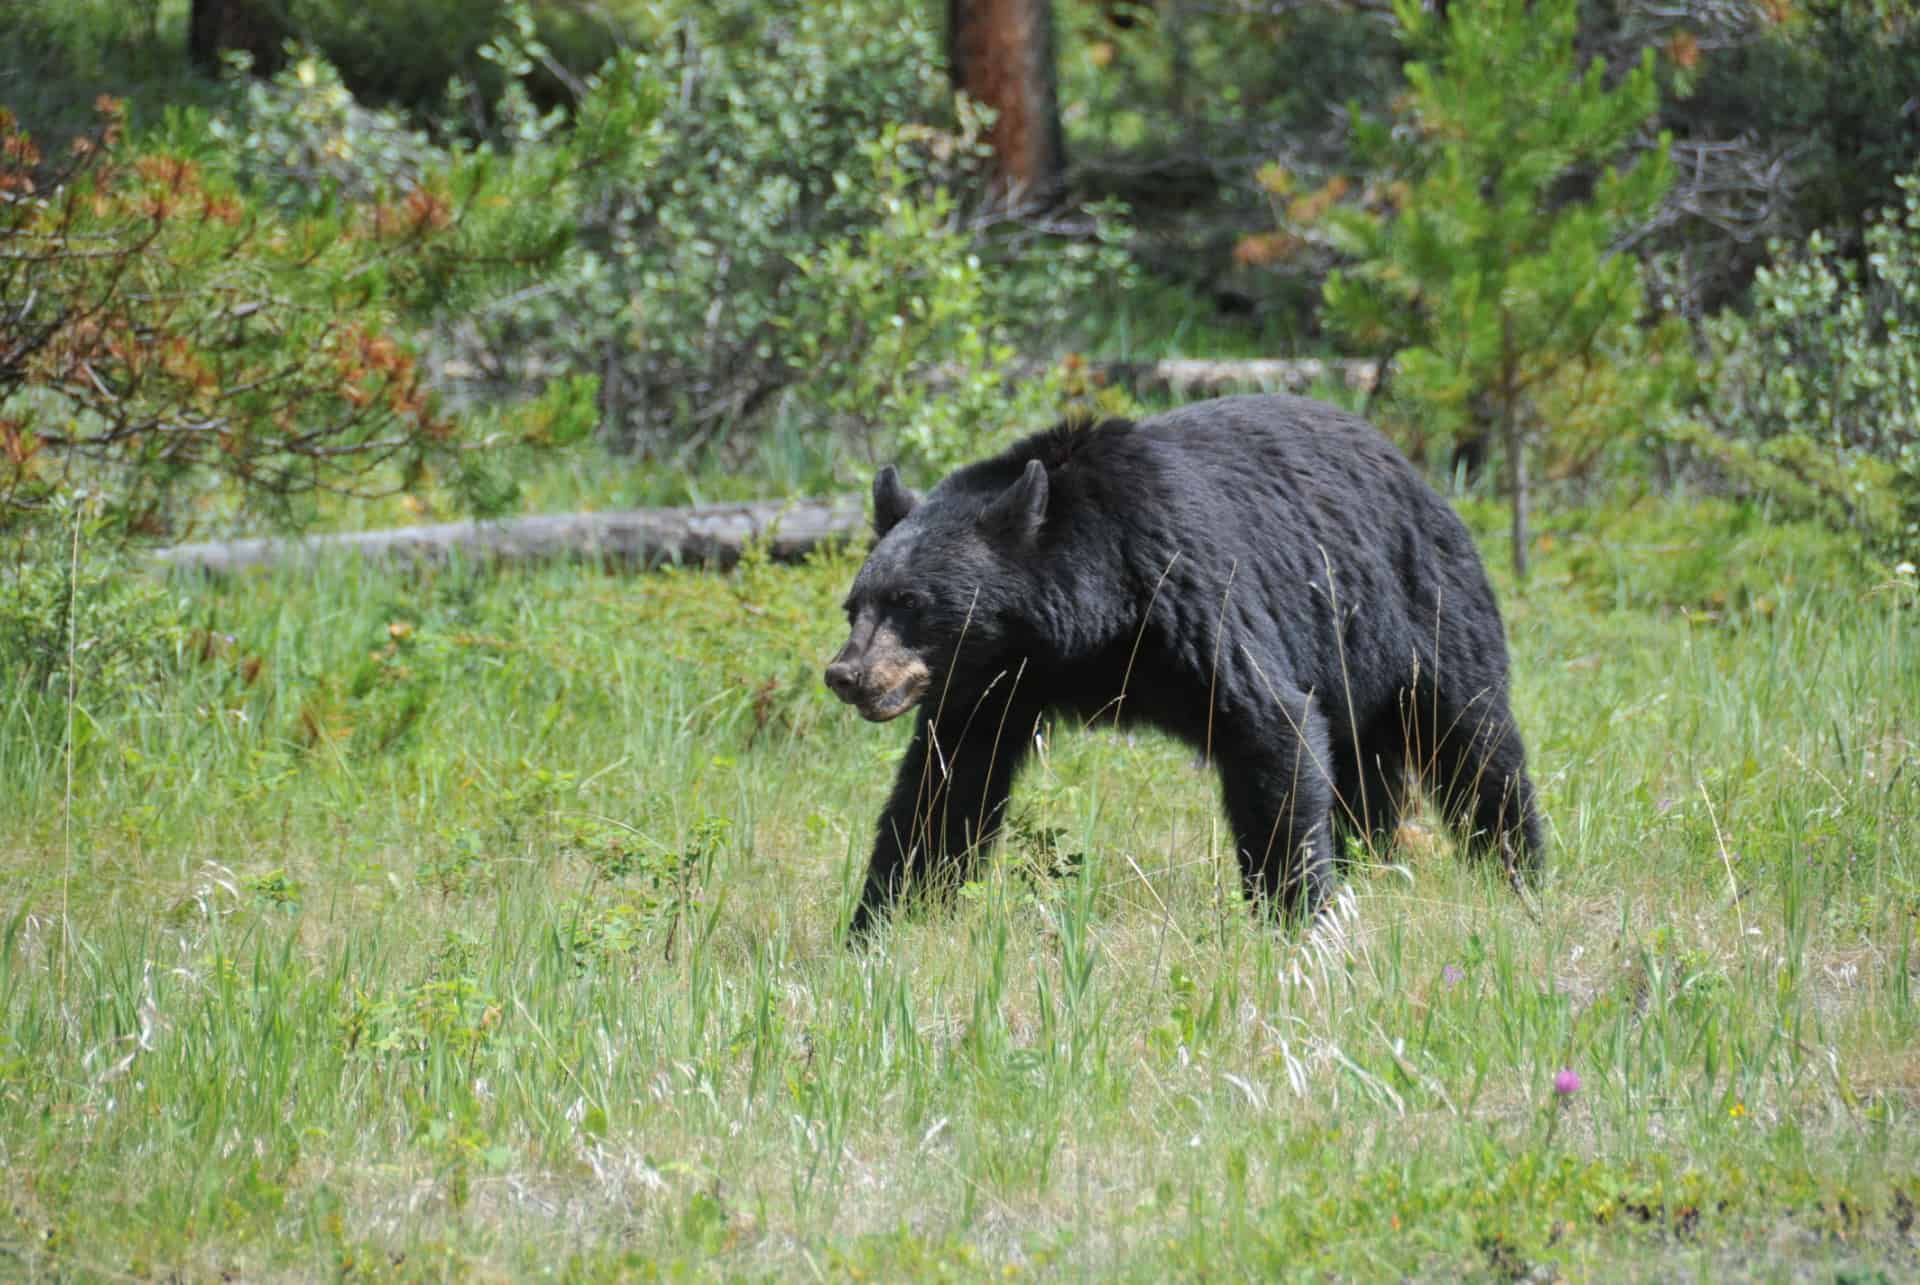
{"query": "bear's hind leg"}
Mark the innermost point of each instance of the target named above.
(1278, 790)
(1370, 790)
(1479, 780)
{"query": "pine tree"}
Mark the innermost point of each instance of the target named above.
(1496, 282)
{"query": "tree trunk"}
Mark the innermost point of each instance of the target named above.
(1001, 52)
(1515, 441)
(1517, 479)
(257, 26)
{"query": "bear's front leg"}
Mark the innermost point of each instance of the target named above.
(947, 804)
(1278, 788)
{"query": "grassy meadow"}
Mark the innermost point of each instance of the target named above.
(484, 925)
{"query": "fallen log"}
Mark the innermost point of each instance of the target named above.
(1186, 376)
(1181, 376)
(710, 535)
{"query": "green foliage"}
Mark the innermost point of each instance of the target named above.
(1813, 395)
(683, 288)
(307, 146)
(641, 889)
(301, 136)
(183, 322)
(793, 262)
(75, 616)
(448, 1016)
(1827, 86)
(406, 55)
(1711, 559)
(1497, 287)
(897, 327)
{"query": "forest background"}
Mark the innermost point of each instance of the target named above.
(421, 920)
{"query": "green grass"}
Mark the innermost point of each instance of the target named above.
(486, 926)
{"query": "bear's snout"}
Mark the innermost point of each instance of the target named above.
(843, 679)
(882, 680)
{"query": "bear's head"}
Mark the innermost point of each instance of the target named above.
(941, 595)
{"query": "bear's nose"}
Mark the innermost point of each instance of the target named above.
(842, 681)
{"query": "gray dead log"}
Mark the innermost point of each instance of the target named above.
(1181, 376)
(1187, 376)
(700, 535)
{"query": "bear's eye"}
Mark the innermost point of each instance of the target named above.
(903, 600)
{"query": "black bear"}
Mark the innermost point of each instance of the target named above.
(1265, 577)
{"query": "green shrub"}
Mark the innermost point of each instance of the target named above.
(1504, 303)
(681, 289)
(75, 616)
(405, 55)
(1813, 395)
(790, 253)
(187, 333)
(1712, 559)
(304, 141)
(897, 323)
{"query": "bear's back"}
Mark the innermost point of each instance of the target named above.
(1245, 477)
(1290, 449)
(1308, 512)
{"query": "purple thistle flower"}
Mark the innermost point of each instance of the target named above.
(1567, 1082)
(1451, 975)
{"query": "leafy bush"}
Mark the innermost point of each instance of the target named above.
(169, 333)
(1711, 558)
(789, 252)
(453, 1016)
(1504, 300)
(903, 304)
(679, 292)
(405, 55)
(303, 140)
(1813, 396)
(75, 617)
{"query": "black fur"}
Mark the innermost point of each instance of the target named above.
(1265, 577)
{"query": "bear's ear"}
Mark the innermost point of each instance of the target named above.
(1018, 511)
(891, 501)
